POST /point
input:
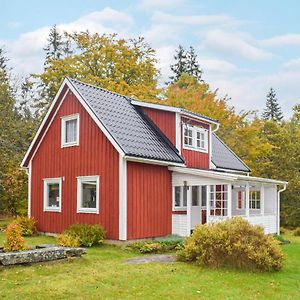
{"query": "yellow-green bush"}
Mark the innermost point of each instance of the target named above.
(13, 240)
(297, 231)
(27, 224)
(67, 240)
(234, 242)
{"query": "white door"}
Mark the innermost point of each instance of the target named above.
(196, 206)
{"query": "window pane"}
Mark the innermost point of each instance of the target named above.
(177, 195)
(53, 195)
(195, 195)
(203, 195)
(89, 192)
(71, 131)
(184, 202)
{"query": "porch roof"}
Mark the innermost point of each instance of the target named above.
(225, 176)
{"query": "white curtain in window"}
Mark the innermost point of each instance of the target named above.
(71, 131)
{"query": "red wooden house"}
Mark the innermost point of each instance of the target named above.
(139, 169)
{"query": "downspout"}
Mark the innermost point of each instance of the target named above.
(217, 127)
(278, 207)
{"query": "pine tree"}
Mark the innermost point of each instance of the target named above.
(186, 62)
(56, 46)
(180, 65)
(193, 66)
(272, 110)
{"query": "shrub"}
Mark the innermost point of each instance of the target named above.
(234, 242)
(297, 231)
(282, 230)
(67, 240)
(87, 234)
(27, 224)
(13, 240)
(155, 246)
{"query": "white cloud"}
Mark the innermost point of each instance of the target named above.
(234, 44)
(26, 52)
(160, 17)
(291, 39)
(217, 66)
(293, 63)
(165, 55)
(160, 4)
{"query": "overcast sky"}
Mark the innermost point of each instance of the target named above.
(244, 47)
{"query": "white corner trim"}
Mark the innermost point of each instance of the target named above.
(80, 180)
(48, 181)
(178, 131)
(122, 198)
(210, 147)
(29, 189)
(65, 119)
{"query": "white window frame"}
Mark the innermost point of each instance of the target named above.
(195, 130)
(47, 182)
(80, 181)
(181, 207)
(254, 200)
(65, 119)
(213, 200)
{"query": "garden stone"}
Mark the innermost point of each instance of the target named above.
(39, 255)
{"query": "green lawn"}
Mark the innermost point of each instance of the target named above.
(102, 274)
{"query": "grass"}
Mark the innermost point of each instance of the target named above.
(102, 274)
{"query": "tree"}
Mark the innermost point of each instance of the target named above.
(120, 65)
(272, 110)
(57, 46)
(185, 63)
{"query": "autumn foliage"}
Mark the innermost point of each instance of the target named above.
(13, 240)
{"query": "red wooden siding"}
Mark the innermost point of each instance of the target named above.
(95, 155)
(149, 200)
(196, 159)
(164, 120)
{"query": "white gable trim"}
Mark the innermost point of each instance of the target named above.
(87, 108)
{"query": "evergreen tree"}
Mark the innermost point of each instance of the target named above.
(56, 47)
(185, 63)
(193, 66)
(180, 65)
(272, 110)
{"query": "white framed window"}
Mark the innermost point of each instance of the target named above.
(218, 200)
(195, 138)
(254, 199)
(240, 200)
(52, 194)
(70, 130)
(180, 198)
(88, 197)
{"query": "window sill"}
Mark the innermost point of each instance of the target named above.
(195, 149)
(87, 211)
(69, 145)
(52, 209)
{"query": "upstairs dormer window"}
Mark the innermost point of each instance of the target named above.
(70, 130)
(195, 138)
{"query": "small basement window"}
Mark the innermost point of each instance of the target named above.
(70, 130)
(52, 194)
(88, 194)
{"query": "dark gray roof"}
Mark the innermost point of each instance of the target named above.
(135, 134)
(223, 157)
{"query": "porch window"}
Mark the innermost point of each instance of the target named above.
(180, 197)
(195, 138)
(218, 200)
(88, 194)
(240, 200)
(70, 130)
(254, 200)
(52, 194)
